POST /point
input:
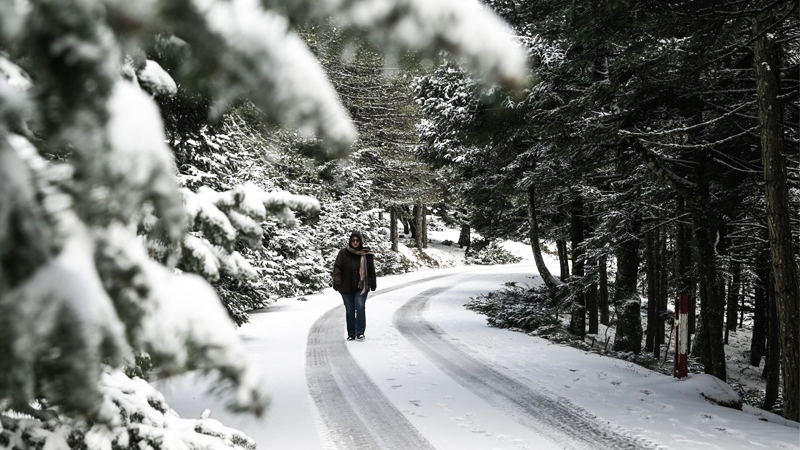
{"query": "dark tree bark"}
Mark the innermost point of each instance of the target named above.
(650, 274)
(760, 312)
(692, 308)
(706, 222)
(561, 247)
(742, 305)
(787, 293)
(699, 350)
(464, 239)
(659, 320)
(602, 295)
(592, 308)
(550, 281)
(419, 224)
(424, 226)
(712, 307)
(772, 364)
(578, 316)
(683, 262)
(393, 235)
(663, 288)
(412, 222)
(626, 298)
(734, 287)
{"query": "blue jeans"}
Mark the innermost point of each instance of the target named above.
(354, 306)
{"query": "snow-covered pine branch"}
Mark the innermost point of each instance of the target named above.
(415, 24)
(218, 220)
(142, 419)
(78, 291)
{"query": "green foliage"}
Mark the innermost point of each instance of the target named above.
(488, 252)
(530, 310)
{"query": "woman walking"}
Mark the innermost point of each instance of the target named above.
(353, 277)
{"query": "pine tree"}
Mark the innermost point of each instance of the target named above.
(85, 165)
(672, 87)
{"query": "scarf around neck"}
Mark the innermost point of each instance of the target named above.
(363, 274)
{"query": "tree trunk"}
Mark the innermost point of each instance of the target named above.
(464, 239)
(728, 312)
(742, 301)
(683, 262)
(734, 288)
(626, 299)
(712, 306)
(650, 269)
(760, 312)
(412, 223)
(662, 274)
(550, 281)
(393, 235)
(698, 350)
(561, 247)
(602, 300)
(578, 316)
(772, 364)
(692, 308)
(777, 198)
(424, 228)
(592, 309)
(418, 224)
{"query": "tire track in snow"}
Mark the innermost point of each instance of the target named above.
(353, 409)
(546, 413)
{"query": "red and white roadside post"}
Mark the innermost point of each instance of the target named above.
(681, 336)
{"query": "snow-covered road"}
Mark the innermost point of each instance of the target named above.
(432, 374)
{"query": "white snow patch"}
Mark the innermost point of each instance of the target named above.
(712, 388)
(66, 293)
(15, 76)
(417, 24)
(156, 80)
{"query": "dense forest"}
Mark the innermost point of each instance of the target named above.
(166, 166)
(655, 147)
(660, 136)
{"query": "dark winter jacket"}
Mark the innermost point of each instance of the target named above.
(346, 270)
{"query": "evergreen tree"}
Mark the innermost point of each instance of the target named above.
(85, 165)
(673, 88)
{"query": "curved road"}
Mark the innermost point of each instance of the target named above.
(357, 415)
(353, 409)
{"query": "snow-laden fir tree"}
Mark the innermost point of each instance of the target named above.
(651, 117)
(93, 224)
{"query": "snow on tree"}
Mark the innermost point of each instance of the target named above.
(93, 224)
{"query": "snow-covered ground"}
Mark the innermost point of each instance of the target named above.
(462, 385)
